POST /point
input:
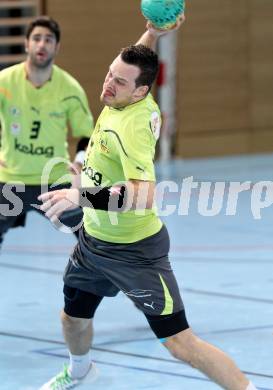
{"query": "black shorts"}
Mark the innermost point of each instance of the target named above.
(140, 270)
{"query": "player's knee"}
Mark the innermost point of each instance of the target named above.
(184, 346)
(73, 324)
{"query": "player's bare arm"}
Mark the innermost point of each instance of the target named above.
(132, 195)
(152, 34)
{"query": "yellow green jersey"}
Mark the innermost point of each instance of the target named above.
(122, 147)
(34, 125)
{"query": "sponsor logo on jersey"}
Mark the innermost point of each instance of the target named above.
(15, 128)
(14, 111)
(103, 146)
(46, 151)
(155, 124)
(96, 177)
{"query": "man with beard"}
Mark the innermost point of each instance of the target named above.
(37, 102)
(123, 245)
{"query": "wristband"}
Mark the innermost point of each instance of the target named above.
(79, 158)
(104, 198)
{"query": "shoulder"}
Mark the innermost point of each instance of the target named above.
(11, 72)
(146, 119)
(151, 104)
(145, 109)
(105, 112)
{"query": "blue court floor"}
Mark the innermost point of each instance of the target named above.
(224, 267)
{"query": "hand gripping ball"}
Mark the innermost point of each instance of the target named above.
(162, 13)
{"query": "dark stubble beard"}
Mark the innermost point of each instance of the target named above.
(40, 65)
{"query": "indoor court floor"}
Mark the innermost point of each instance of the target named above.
(224, 267)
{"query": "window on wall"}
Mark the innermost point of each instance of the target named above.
(15, 15)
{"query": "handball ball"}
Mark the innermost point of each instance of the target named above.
(162, 13)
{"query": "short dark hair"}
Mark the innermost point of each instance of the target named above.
(146, 59)
(44, 21)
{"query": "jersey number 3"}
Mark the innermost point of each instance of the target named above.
(36, 125)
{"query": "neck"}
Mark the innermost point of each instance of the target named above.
(138, 99)
(37, 76)
(122, 106)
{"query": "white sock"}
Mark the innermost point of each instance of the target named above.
(79, 365)
(251, 386)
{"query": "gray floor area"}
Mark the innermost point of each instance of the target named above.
(223, 264)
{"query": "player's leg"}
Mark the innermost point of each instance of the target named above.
(173, 331)
(214, 363)
(151, 284)
(79, 309)
(7, 222)
(76, 317)
(183, 344)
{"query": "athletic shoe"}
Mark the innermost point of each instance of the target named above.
(63, 380)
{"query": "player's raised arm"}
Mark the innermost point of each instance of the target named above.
(161, 19)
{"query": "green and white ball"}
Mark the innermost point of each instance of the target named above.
(162, 13)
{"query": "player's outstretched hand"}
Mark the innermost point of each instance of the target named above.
(158, 32)
(56, 202)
